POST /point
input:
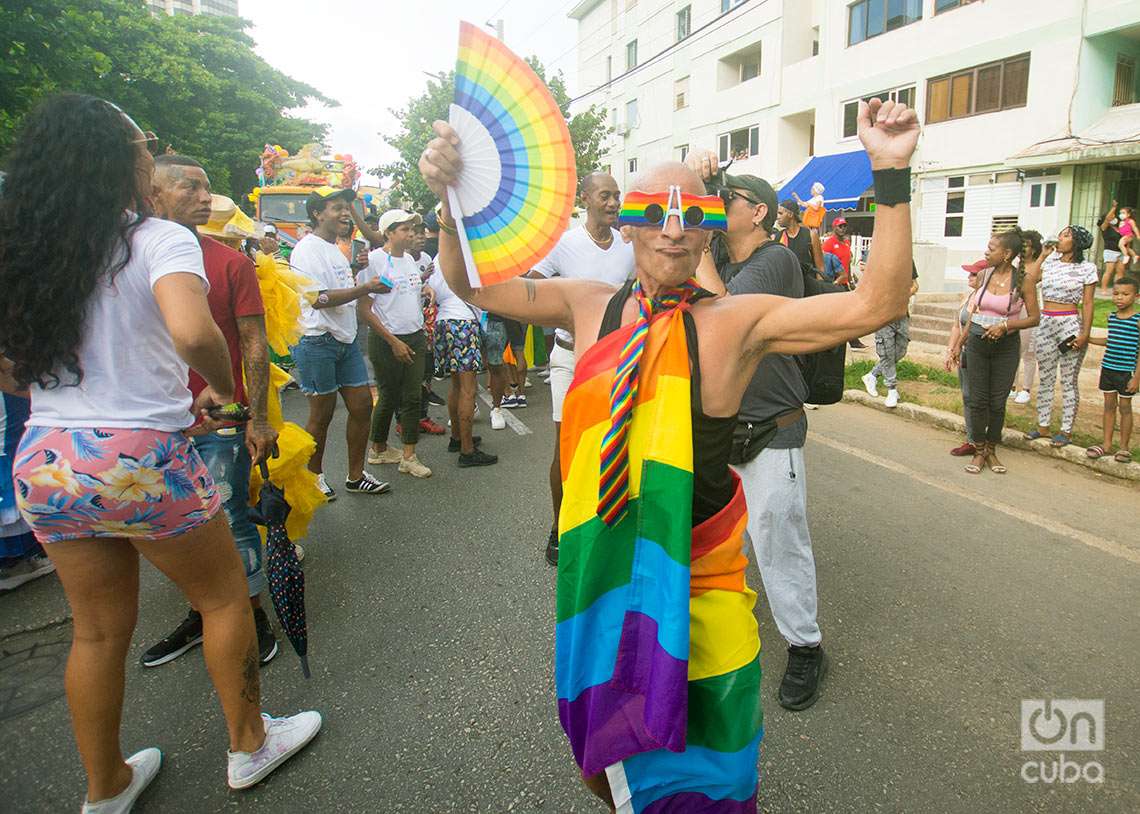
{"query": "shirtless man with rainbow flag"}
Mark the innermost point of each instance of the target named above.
(657, 652)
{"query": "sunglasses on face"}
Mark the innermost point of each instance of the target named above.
(655, 209)
(729, 195)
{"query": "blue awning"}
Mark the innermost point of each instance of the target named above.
(845, 177)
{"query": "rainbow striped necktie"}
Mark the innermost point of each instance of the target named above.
(613, 489)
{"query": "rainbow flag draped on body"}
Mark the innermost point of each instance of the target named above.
(657, 650)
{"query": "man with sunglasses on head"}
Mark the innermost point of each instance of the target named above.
(658, 683)
(772, 430)
(593, 251)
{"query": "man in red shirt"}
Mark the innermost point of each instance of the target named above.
(839, 244)
(182, 195)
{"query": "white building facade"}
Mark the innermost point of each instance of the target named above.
(1029, 109)
(217, 8)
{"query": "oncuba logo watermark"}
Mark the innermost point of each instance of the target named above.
(1062, 725)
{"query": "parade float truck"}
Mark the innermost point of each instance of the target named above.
(285, 181)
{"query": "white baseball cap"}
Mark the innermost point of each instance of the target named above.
(394, 217)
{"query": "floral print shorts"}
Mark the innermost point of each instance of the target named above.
(457, 347)
(92, 482)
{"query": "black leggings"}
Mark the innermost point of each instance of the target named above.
(990, 368)
(400, 387)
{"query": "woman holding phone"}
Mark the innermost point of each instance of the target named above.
(102, 329)
(1068, 282)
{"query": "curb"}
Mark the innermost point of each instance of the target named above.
(1011, 438)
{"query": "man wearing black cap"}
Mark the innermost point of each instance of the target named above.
(769, 456)
(328, 359)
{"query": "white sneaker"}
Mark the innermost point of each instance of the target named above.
(498, 422)
(25, 571)
(870, 383)
(808, 406)
(144, 766)
(1012, 393)
(412, 466)
(892, 399)
(1022, 397)
(284, 737)
(299, 550)
(390, 455)
(474, 413)
(327, 490)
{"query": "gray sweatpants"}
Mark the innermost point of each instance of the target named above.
(775, 489)
(890, 344)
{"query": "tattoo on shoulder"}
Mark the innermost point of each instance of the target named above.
(531, 290)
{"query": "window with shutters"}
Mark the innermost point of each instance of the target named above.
(851, 108)
(681, 93)
(1002, 223)
(955, 206)
(684, 22)
(981, 89)
(1124, 84)
(739, 144)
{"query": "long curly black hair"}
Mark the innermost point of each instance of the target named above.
(63, 229)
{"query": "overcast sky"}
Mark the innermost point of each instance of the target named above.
(372, 56)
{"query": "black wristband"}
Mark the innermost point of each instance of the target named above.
(891, 186)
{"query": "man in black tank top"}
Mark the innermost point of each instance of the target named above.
(729, 335)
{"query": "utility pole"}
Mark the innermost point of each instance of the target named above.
(498, 26)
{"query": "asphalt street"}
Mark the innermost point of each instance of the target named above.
(945, 600)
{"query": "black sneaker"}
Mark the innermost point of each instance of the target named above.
(266, 641)
(856, 344)
(185, 636)
(477, 458)
(552, 547)
(454, 444)
(435, 398)
(806, 669)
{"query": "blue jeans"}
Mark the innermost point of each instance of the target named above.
(229, 463)
(325, 365)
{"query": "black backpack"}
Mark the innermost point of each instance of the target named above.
(822, 370)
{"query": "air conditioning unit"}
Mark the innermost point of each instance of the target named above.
(621, 129)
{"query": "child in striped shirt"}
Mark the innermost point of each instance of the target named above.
(1120, 370)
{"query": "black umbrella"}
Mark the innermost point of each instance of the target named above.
(286, 579)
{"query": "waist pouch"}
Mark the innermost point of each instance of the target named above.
(749, 439)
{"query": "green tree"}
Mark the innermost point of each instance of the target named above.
(195, 81)
(587, 128)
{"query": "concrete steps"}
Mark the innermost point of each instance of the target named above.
(932, 318)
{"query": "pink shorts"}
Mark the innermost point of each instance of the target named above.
(91, 482)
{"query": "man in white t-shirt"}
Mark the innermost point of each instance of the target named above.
(328, 360)
(594, 251)
(397, 344)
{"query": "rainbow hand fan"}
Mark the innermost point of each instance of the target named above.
(513, 198)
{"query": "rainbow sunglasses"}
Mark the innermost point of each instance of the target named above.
(655, 209)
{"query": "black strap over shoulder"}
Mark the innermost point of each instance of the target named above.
(611, 321)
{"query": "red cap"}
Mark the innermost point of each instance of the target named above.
(839, 222)
(976, 267)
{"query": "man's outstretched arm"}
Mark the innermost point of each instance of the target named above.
(538, 302)
(889, 132)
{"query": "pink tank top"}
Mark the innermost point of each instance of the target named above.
(1125, 228)
(999, 305)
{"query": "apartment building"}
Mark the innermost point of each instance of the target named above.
(218, 8)
(1029, 109)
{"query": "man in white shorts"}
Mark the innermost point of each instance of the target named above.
(594, 251)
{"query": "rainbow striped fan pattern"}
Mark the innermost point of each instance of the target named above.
(515, 192)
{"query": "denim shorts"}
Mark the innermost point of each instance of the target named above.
(324, 365)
